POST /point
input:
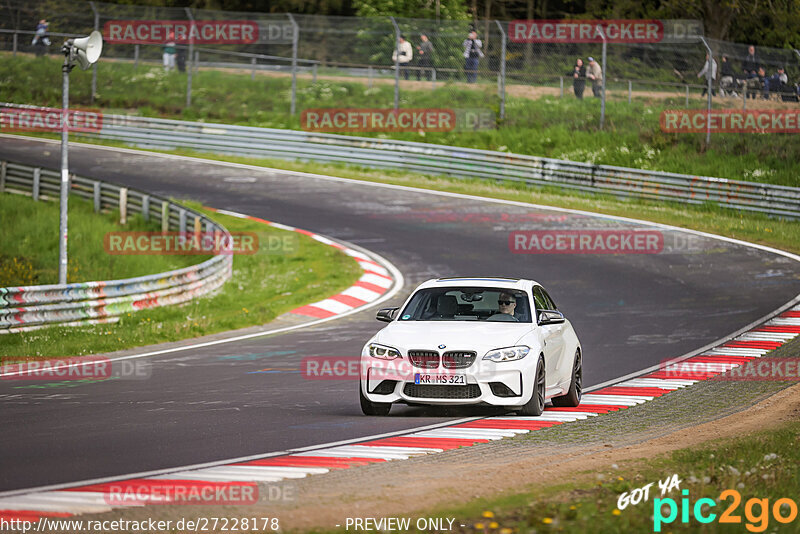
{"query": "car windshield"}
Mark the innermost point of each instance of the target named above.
(468, 304)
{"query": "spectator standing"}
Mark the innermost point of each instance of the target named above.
(405, 57)
(751, 63)
(709, 72)
(169, 52)
(41, 40)
(472, 54)
(425, 57)
(763, 83)
(579, 78)
(727, 84)
(595, 73)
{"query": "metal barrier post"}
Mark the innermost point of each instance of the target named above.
(502, 70)
(561, 86)
(15, 44)
(196, 62)
(433, 82)
(396, 63)
(3, 171)
(295, 40)
(135, 56)
(123, 206)
(605, 75)
(37, 178)
(253, 72)
(687, 96)
(146, 207)
(630, 90)
(182, 221)
(96, 197)
(164, 216)
(369, 76)
(94, 66)
(710, 80)
(191, 52)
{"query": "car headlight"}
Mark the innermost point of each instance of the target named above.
(383, 352)
(507, 354)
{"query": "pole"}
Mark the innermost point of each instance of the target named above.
(191, 52)
(396, 64)
(502, 70)
(94, 67)
(605, 75)
(630, 90)
(15, 44)
(136, 56)
(295, 41)
(62, 231)
(710, 80)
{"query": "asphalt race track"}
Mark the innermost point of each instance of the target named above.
(244, 398)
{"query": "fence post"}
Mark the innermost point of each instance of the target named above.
(135, 56)
(314, 73)
(433, 81)
(123, 205)
(164, 216)
(253, 72)
(295, 41)
(630, 90)
(605, 75)
(96, 197)
(191, 53)
(182, 221)
(15, 44)
(561, 86)
(369, 76)
(709, 88)
(744, 97)
(146, 207)
(687, 96)
(196, 61)
(37, 175)
(396, 63)
(502, 88)
(94, 66)
(3, 171)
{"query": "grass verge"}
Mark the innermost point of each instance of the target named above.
(563, 128)
(264, 285)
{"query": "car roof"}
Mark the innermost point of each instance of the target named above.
(479, 281)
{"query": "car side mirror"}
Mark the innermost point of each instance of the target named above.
(386, 314)
(550, 317)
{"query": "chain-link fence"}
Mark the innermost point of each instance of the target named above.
(417, 63)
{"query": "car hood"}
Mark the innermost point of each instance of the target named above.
(455, 335)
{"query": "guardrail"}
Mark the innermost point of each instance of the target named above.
(30, 307)
(774, 200)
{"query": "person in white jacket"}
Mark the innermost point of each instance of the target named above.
(709, 71)
(472, 55)
(406, 55)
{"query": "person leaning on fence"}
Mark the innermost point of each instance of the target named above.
(579, 78)
(709, 72)
(425, 57)
(727, 79)
(405, 57)
(41, 39)
(595, 73)
(472, 55)
(169, 53)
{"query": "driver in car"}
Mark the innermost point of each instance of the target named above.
(507, 304)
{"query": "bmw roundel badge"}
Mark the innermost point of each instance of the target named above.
(442, 346)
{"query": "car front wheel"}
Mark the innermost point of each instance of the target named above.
(573, 396)
(373, 408)
(535, 406)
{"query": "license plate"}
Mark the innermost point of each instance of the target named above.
(447, 379)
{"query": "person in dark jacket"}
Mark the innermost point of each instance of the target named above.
(579, 78)
(751, 63)
(425, 57)
(727, 80)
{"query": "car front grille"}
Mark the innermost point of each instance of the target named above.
(455, 359)
(426, 359)
(423, 391)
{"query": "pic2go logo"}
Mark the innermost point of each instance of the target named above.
(756, 511)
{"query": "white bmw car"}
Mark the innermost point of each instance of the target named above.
(496, 341)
